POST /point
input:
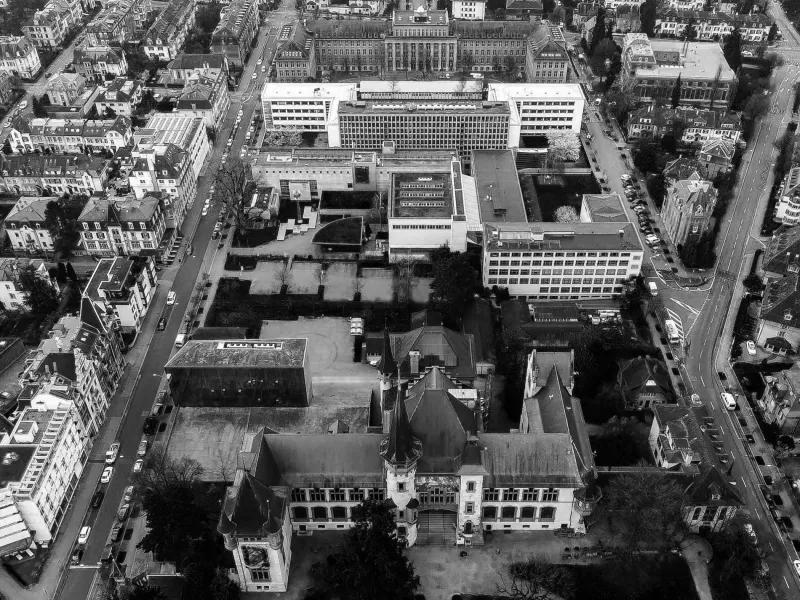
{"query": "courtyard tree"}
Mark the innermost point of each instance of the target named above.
(168, 489)
(690, 31)
(647, 16)
(599, 29)
(370, 563)
(645, 508)
(732, 49)
(738, 552)
(405, 278)
(559, 15)
(538, 579)
(39, 292)
(605, 50)
(773, 32)
(562, 146)
(235, 187)
(141, 591)
(454, 282)
(566, 214)
(283, 277)
(282, 137)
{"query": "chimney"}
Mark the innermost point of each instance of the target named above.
(413, 357)
(621, 233)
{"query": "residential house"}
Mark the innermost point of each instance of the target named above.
(527, 9)
(167, 35)
(12, 296)
(644, 382)
(710, 502)
(67, 136)
(185, 131)
(123, 226)
(469, 10)
(684, 168)
(713, 26)
(687, 209)
(779, 317)
(676, 438)
(582, 13)
(41, 175)
(189, 66)
(295, 58)
(206, 98)
(19, 56)
(716, 155)
(778, 403)
(64, 88)
(100, 63)
(699, 125)
(120, 96)
(26, 227)
(546, 58)
(48, 27)
(123, 287)
(167, 172)
(234, 34)
(787, 209)
(118, 22)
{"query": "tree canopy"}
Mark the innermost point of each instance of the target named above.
(566, 214)
(732, 49)
(283, 137)
(235, 187)
(647, 17)
(370, 562)
(40, 294)
(563, 146)
(454, 282)
(539, 579)
(676, 92)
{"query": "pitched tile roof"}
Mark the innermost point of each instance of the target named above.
(638, 373)
(437, 345)
(782, 255)
(684, 168)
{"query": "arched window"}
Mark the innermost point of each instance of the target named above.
(320, 513)
(548, 513)
(528, 513)
(490, 512)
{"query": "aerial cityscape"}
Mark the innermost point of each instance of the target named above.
(399, 299)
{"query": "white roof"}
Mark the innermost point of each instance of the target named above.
(506, 91)
(407, 87)
(472, 211)
(277, 90)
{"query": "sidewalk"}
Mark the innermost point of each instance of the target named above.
(696, 551)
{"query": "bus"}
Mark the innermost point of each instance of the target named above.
(672, 331)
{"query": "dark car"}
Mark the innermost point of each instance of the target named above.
(150, 425)
(162, 324)
(97, 499)
(116, 531)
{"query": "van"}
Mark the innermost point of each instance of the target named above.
(728, 400)
(477, 76)
(180, 340)
(653, 288)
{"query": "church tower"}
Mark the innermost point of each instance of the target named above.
(400, 451)
(387, 365)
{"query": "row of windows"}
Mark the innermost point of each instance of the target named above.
(565, 281)
(524, 513)
(554, 254)
(555, 290)
(420, 226)
(518, 494)
(337, 494)
(558, 263)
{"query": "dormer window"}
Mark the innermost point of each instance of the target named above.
(96, 225)
(787, 315)
(130, 225)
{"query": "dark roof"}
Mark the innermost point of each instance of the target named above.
(783, 251)
(709, 484)
(219, 333)
(90, 316)
(387, 364)
(636, 373)
(423, 318)
(547, 317)
(545, 459)
(781, 301)
(479, 324)
(438, 346)
(13, 471)
(400, 447)
(198, 61)
(62, 363)
(779, 343)
(239, 353)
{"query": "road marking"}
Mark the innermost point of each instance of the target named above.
(786, 582)
(722, 430)
(702, 381)
(758, 516)
(771, 549)
(744, 483)
(691, 309)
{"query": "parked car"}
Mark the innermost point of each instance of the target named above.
(123, 511)
(97, 498)
(171, 297)
(115, 532)
(128, 494)
(23, 105)
(150, 425)
(83, 536)
(796, 564)
(138, 466)
(751, 347)
(162, 324)
(751, 532)
(107, 474)
(112, 453)
(142, 448)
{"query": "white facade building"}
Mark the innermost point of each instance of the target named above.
(787, 210)
(26, 227)
(12, 297)
(186, 132)
(19, 56)
(470, 10)
(542, 107)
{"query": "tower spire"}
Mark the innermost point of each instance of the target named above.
(387, 365)
(400, 447)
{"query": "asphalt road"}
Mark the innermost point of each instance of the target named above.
(740, 233)
(79, 580)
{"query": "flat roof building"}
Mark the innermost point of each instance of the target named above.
(499, 196)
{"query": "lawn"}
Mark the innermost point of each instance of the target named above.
(27, 571)
(659, 578)
(551, 197)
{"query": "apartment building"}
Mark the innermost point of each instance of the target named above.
(787, 209)
(121, 96)
(778, 403)
(184, 131)
(238, 26)
(469, 10)
(560, 261)
(166, 36)
(26, 227)
(40, 175)
(546, 58)
(714, 26)
(100, 63)
(12, 297)
(48, 26)
(81, 359)
(295, 58)
(190, 66)
(682, 5)
(687, 209)
(18, 56)
(123, 287)
(652, 66)
(166, 172)
(64, 88)
(540, 107)
(426, 212)
(43, 458)
(122, 226)
(716, 156)
(68, 136)
(207, 98)
(700, 125)
(118, 22)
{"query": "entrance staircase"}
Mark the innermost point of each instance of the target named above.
(436, 528)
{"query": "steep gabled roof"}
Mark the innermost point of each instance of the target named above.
(638, 372)
(438, 346)
(710, 488)
(400, 447)
(782, 256)
(90, 315)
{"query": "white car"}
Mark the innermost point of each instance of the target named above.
(751, 347)
(205, 211)
(796, 564)
(128, 494)
(106, 476)
(259, 61)
(264, 69)
(112, 453)
(83, 536)
(749, 530)
(747, 53)
(625, 177)
(171, 298)
(7, 123)
(138, 466)
(254, 76)
(23, 104)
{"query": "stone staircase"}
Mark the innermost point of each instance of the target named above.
(436, 528)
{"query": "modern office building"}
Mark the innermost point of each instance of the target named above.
(541, 107)
(652, 67)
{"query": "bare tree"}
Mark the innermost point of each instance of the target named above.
(538, 579)
(224, 465)
(235, 187)
(162, 473)
(404, 272)
(284, 276)
(358, 283)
